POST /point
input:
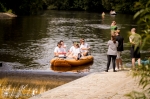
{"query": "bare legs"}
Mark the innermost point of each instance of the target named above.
(119, 61)
(85, 53)
(133, 62)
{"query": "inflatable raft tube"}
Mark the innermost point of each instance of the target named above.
(71, 62)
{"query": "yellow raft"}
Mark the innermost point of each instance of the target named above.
(71, 62)
(77, 69)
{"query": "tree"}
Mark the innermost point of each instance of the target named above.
(23, 7)
(123, 6)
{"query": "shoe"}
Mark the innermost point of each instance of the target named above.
(114, 71)
(106, 70)
(116, 68)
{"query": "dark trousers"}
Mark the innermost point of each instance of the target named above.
(113, 57)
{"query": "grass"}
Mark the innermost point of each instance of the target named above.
(14, 88)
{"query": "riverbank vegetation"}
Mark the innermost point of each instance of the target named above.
(24, 88)
(28, 7)
(143, 71)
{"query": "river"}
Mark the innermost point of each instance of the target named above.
(28, 42)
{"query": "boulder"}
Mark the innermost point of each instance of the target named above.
(7, 15)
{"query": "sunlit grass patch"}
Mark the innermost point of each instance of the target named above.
(20, 88)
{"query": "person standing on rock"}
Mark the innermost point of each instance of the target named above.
(112, 53)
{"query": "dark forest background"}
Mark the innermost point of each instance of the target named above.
(30, 7)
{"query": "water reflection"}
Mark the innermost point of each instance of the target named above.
(73, 69)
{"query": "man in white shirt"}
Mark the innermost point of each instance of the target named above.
(62, 44)
(84, 48)
(59, 51)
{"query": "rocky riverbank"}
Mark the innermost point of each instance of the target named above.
(7, 15)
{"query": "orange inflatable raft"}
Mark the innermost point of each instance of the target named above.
(71, 62)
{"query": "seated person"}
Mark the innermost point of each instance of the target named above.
(84, 48)
(59, 51)
(72, 48)
(76, 52)
(62, 44)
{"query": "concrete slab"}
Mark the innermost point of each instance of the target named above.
(99, 85)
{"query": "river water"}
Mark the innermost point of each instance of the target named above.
(28, 42)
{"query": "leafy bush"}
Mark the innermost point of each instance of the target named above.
(2, 8)
(143, 71)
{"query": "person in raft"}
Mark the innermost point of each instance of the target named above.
(62, 44)
(59, 51)
(112, 53)
(75, 52)
(84, 47)
(71, 50)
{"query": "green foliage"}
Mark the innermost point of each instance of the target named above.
(2, 8)
(107, 4)
(123, 6)
(52, 7)
(143, 71)
(143, 17)
(136, 95)
(86, 5)
(30, 7)
(9, 11)
(25, 7)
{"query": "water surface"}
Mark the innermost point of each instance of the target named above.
(28, 42)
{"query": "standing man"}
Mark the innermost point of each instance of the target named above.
(120, 40)
(135, 40)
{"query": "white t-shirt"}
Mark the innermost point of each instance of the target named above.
(72, 49)
(76, 51)
(84, 46)
(59, 50)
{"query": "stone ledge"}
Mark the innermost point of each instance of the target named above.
(104, 85)
(7, 15)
